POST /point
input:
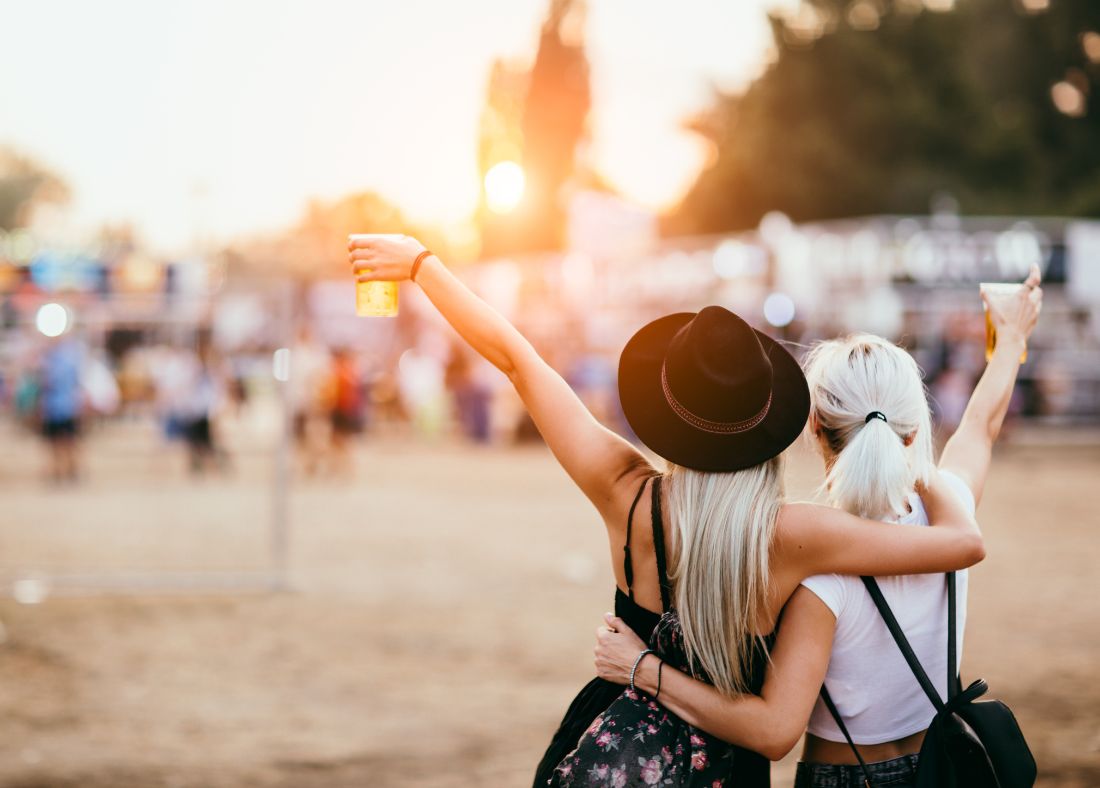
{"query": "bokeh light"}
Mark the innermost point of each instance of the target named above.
(939, 5)
(1068, 98)
(280, 364)
(30, 590)
(1090, 42)
(735, 258)
(778, 309)
(504, 185)
(1035, 6)
(864, 15)
(51, 320)
(775, 227)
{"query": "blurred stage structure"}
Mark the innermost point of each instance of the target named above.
(912, 279)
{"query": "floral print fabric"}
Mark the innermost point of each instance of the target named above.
(637, 742)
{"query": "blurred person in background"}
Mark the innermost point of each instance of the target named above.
(60, 404)
(344, 395)
(103, 395)
(170, 369)
(951, 391)
(25, 397)
(421, 382)
(471, 395)
(871, 423)
(310, 364)
(720, 402)
(202, 393)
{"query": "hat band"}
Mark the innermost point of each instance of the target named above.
(706, 425)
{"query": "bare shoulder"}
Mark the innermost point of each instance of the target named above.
(624, 491)
(800, 529)
(797, 520)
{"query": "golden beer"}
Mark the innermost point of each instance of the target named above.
(997, 292)
(375, 299)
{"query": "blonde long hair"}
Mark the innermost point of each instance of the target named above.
(873, 469)
(722, 526)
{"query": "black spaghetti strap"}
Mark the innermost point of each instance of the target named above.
(659, 547)
(628, 561)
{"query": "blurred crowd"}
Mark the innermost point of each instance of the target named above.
(197, 395)
(292, 366)
(333, 395)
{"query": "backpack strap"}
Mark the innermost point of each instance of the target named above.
(903, 644)
(847, 736)
(954, 685)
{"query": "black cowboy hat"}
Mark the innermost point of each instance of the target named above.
(707, 391)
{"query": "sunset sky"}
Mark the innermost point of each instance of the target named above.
(221, 117)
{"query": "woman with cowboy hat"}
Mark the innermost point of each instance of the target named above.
(719, 402)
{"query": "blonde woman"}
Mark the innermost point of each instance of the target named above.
(871, 423)
(719, 402)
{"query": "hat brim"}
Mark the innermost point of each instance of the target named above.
(658, 427)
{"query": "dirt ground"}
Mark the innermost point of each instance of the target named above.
(439, 619)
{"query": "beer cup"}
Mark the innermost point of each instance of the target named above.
(375, 299)
(997, 292)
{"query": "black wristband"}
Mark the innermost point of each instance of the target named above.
(416, 263)
(660, 664)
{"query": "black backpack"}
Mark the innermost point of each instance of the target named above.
(968, 744)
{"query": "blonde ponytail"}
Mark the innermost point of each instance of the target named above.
(877, 461)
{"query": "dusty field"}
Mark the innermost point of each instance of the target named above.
(439, 620)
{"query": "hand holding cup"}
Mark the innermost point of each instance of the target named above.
(1011, 312)
(376, 257)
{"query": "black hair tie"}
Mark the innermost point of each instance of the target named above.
(875, 415)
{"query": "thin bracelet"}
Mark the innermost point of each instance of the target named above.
(660, 665)
(634, 669)
(416, 263)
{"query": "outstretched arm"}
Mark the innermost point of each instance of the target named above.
(770, 723)
(594, 456)
(968, 452)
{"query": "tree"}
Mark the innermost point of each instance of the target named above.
(24, 185)
(316, 247)
(874, 107)
(552, 125)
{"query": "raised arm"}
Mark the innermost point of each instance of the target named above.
(770, 723)
(814, 540)
(594, 456)
(968, 452)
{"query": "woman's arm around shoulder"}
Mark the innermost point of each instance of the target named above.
(814, 540)
(597, 459)
(771, 723)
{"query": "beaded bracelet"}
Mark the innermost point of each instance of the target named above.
(634, 669)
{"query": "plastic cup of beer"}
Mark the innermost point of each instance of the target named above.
(997, 292)
(375, 299)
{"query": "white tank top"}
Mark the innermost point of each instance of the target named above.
(873, 688)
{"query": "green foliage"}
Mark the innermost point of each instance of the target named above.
(879, 116)
(25, 184)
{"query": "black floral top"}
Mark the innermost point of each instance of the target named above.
(638, 742)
